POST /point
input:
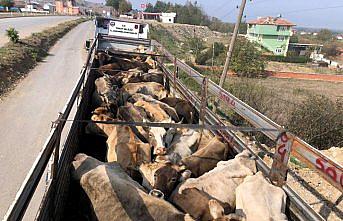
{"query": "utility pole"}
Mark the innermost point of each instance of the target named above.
(232, 44)
(212, 58)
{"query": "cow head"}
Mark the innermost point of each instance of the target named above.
(100, 114)
(156, 135)
(162, 176)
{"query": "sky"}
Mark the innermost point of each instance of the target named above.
(304, 13)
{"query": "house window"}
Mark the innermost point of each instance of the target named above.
(282, 28)
(278, 51)
(280, 38)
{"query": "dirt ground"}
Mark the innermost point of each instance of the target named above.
(293, 90)
(304, 76)
(299, 68)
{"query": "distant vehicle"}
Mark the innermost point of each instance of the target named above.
(2, 9)
(121, 28)
(14, 9)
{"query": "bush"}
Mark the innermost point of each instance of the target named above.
(318, 121)
(324, 35)
(289, 59)
(247, 61)
(330, 49)
(13, 35)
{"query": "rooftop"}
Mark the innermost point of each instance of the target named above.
(269, 20)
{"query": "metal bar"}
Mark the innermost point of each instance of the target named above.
(169, 125)
(122, 52)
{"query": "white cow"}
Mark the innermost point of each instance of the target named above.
(257, 199)
(182, 144)
(220, 184)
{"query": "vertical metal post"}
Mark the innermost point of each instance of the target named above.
(174, 76)
(56, 151)
(203, 104)
(278, 172)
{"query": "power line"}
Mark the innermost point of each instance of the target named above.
(258, 2)
(313, 9)
(221, 7)
(229, 13)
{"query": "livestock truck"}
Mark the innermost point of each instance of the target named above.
(62, 196)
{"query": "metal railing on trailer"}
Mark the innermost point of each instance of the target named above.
(52, 204)
(297, 209)
(287, 143)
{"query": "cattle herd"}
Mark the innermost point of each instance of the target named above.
(154, 173)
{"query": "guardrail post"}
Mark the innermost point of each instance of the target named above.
(57, 149)
(175, 76)
(278, 172)
(203, 104)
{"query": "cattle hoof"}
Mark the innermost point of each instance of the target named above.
(156, 193)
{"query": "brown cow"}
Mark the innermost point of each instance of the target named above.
(109, 69)
(162, 176)
(104, 94)
(154, 112)
(193, 195)
(127, 64)
(183, 108)
(153, 89)
(131, 113)
(103, 58)
(206, 157)
(142, 97)
(100, 114)
(115, 196)
(153, 135)
(125, 148)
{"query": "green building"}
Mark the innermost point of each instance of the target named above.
(271, 33)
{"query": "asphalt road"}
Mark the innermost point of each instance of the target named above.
(27, 112)
(28, 25)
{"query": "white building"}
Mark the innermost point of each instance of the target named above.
(168, 17)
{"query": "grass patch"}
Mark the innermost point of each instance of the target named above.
(16, 59)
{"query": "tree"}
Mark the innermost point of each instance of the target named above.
(124, 6)
(149, 8)
(247, 61)
(6, 3)
(113, 3)
(330, 49)
(324, 35)
(294, 39)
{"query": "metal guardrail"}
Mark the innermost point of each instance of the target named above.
(297, 208)
(27, 189)
(287, 143)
